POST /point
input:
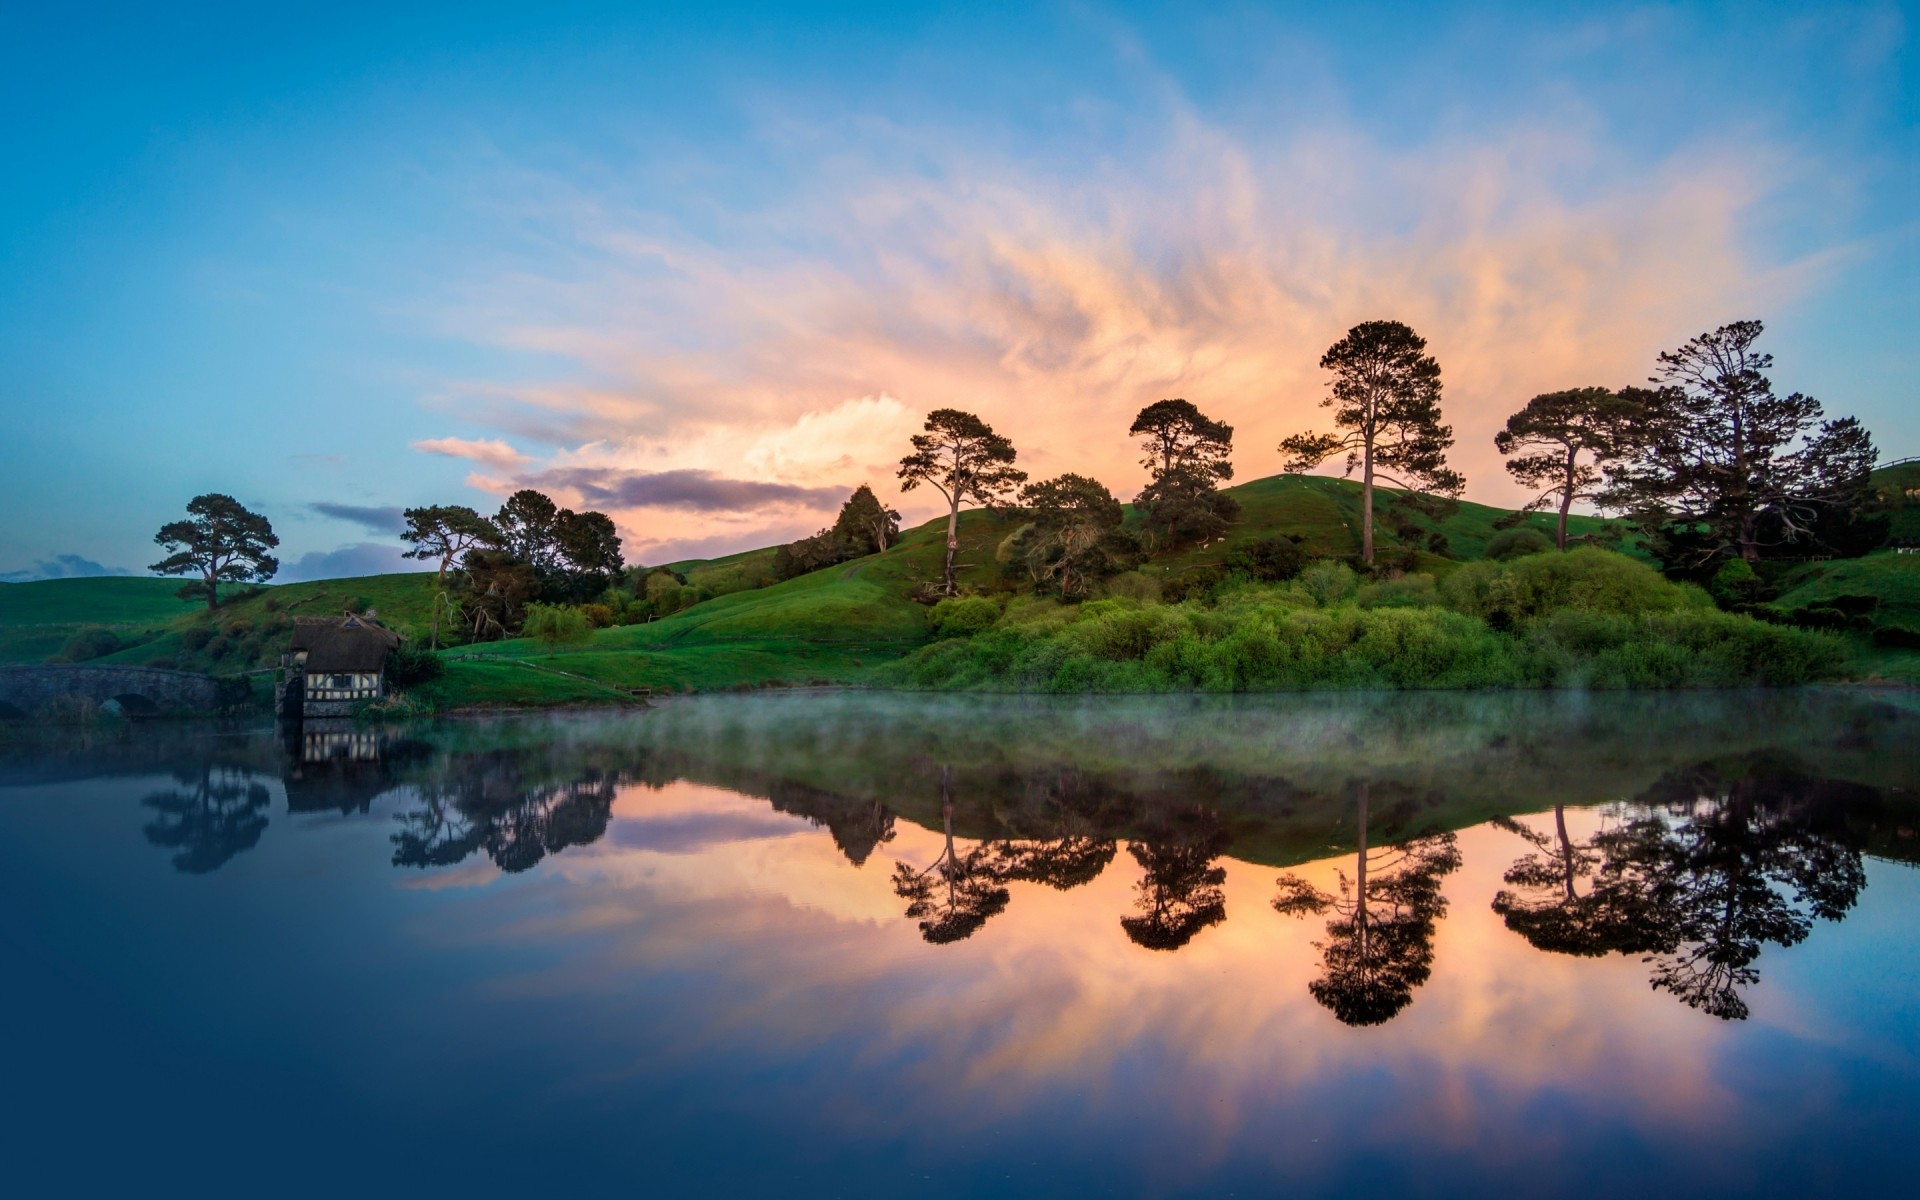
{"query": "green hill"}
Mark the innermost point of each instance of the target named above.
(835, 625)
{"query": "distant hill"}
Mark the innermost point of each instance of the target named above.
(831, 625)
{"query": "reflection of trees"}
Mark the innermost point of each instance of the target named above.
(858, 827)
(1730, 862)
(955, 895)
(1180, 893)
(490, 806)
(1073, 852)
(1379, 945)
(1561, 902)
(213, 816)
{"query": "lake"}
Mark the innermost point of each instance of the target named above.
(821, 944)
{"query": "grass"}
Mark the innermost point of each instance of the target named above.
(839, 625)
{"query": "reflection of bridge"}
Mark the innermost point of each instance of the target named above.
(138, 691)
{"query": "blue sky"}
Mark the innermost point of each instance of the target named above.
(706, 271)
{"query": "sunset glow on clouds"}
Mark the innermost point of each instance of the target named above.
(709, 275)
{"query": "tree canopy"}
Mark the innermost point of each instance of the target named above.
(962, 458)
(445, 532)
(1717, 464)
(1560, 443)
(1075, 534)
(1385, 396)
(222, 542)
(1189, 456)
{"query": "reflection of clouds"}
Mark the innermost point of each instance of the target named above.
(796, 949)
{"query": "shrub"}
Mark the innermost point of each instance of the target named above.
(1409, 591)
(1586, 578)
(1517, 543)
(1196, 584)
(1329, 582)
(94, 641)
(1269, 560)
(1897, 637)
(963, 616)
(1735, 586)
(555, 625)
(412, 664)
(600, 616)
(196, 637)
(1132, 585)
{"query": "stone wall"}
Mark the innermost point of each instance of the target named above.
(35, 690)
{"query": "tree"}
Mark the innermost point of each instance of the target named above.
(1180, 891)
(957, 893)
(1386, 396)
(1076, 522)
(209, 820)
(1379, 945)
(222, 542)
(962, 458)
(1717, 464)
(589, 545)
(556, 625)
(865, 525)
(1188, 455)
(1560, 902)
(497, 587)
(1545, 441)
(445, 532)
(529, 529)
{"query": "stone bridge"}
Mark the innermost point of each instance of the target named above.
(138, 691)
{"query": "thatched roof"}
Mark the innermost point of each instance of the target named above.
(346, 643)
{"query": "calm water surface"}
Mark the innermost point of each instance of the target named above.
(828, 945)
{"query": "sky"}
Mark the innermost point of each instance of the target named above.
(706, 268)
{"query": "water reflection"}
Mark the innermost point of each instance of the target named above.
(1180, 891)
(214, 814)
(1700, 872)
(1379, 944)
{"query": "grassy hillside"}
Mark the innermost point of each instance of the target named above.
(835, 625)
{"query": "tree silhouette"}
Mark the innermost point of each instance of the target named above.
(1189, 457)
(1718, 464)
(1386, 397)
(962, 458)
(222, 542)
(957, 893)
(489, 807)
(1731, 861)
(1560, 906)
(1379, 944)
(1180, 893)
(215, 815)
(1559, 442)
(1075, 850)
(445, 532)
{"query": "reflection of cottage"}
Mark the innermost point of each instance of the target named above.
(334, 664)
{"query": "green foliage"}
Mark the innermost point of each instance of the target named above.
(95, 641)
(221, 541)
(1268, 559)
(1736, 585)
(1514, 543)
(412, 664)
(554, 625)
(1409, 591)
(963, 616)
(1329, 583)
(1585, 578)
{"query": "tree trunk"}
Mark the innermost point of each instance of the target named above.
(1366, 503)
(1566, 847)
(1566, 499)
(1360, 882)
(213, 590)
(953, 538)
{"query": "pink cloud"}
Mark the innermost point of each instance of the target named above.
(493, 452)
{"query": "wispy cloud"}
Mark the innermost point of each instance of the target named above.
(492, 451)
(61, 566)
(372, 519)
(919, 271)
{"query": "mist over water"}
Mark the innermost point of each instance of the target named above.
(855, 944)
